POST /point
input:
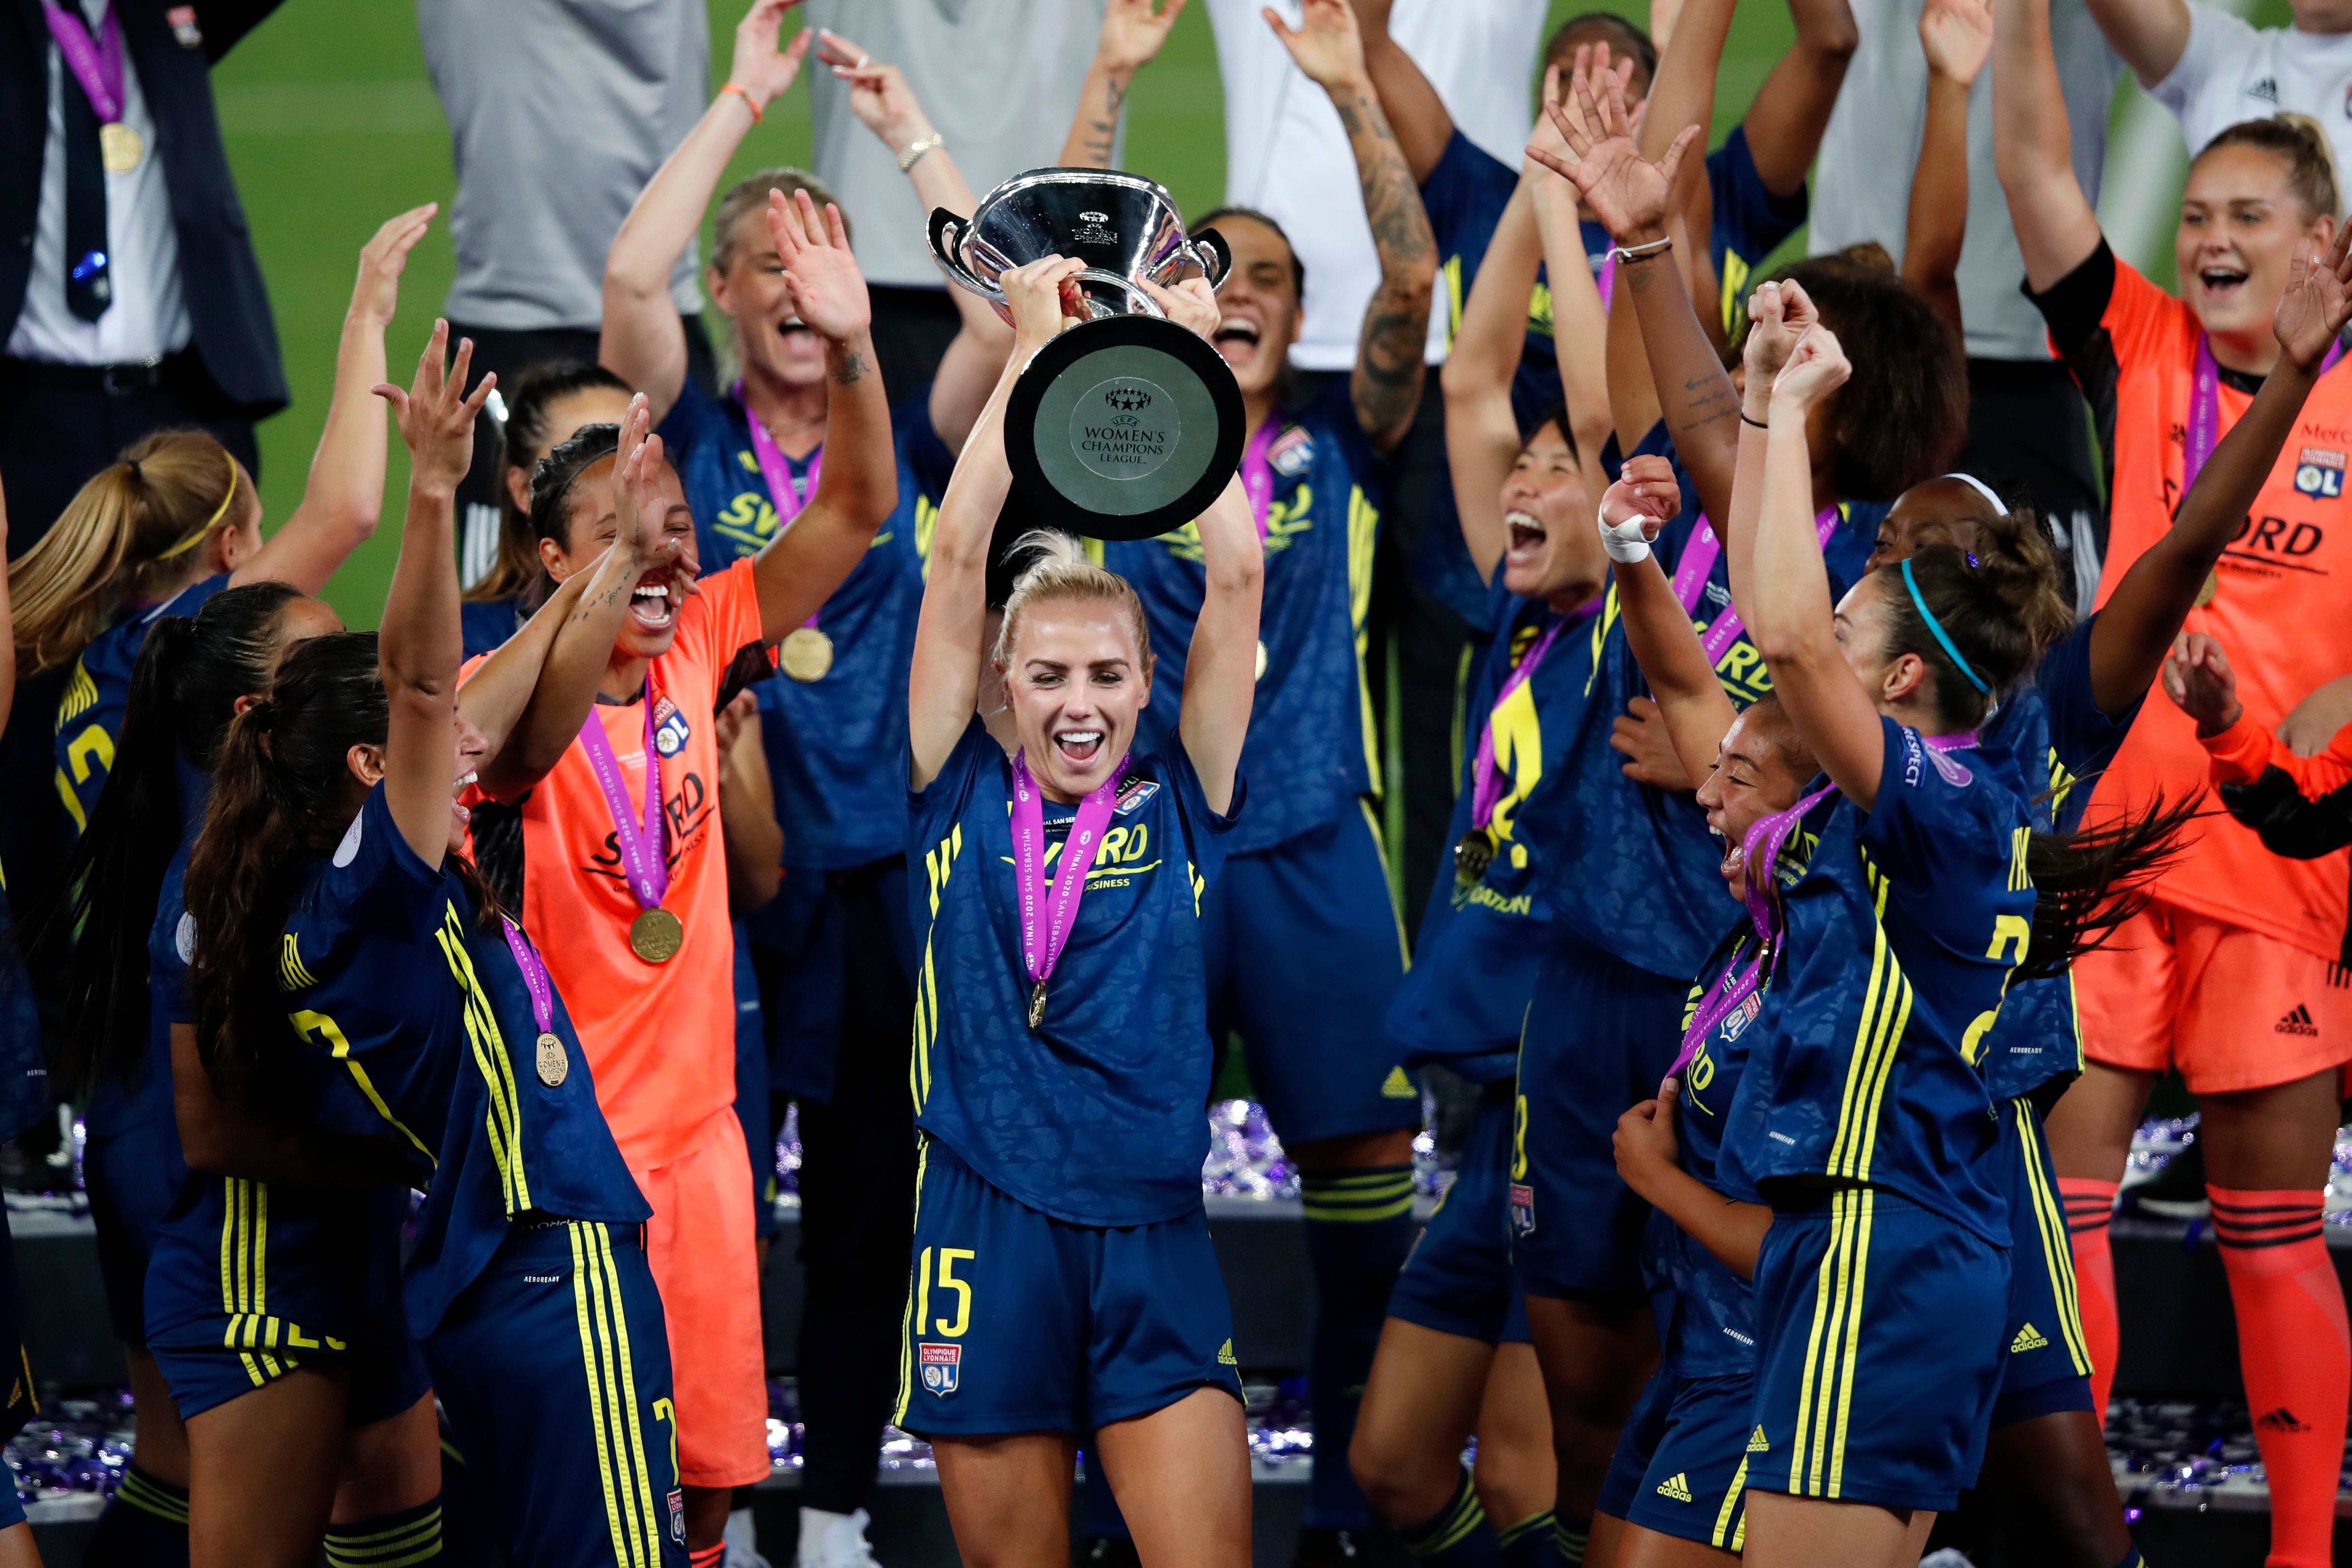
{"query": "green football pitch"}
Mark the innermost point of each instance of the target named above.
(332, 126)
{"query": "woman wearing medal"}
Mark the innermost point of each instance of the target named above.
(2237, 939)
(1063, 1280)
(623, 876)
(330, 883)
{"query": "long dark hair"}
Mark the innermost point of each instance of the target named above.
(184, 690)
(516, 572)
(283, 794)
(2089, 882)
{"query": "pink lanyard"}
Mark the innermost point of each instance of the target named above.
(1698, 560)
(1045, 932)
(774, 468)
(2204, 430)
(1486, 781)
(1257, 472)
(645, 851)
(96, 64)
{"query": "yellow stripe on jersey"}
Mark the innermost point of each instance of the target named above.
(503, 1119)
(2019, 879)
(631, 1423)
(1885, 1012)
(602, 1323)
(291, 974)
(308, 1023)
(1363, 538)
(2050, 1222)
(917, 1280)
(79, 697)
(1601, 625)
(1723, 1521)
(1404, 944)
(1825, 1398)
(939, 865)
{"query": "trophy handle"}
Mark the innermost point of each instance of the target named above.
(1214, 257)
(946, 232)
(1145, 305)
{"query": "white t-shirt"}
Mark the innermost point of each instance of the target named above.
(2232, 70)
(1286, 155)
(1870, 153)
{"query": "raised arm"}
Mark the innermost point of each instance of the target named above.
(1657, 629)
(344, 495)
(644, 343)
(880, 98)
(1579, 317)
(747, 809)
(421, 643)
(798, 570)
(2150, 35)
(2032, 146)
(1386, 385)
(1417, 115)
(1482, 431)
(1131, 35)
(2144, 614)
(1791, 110)
(1957, 36)
(1631, 196)
(1789, 617)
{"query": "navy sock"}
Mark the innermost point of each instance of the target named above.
(1359, 1230)
(402, 1539)
(1459, 1536)
(1531, 1544)
(145, 1525)
(1572, 1535)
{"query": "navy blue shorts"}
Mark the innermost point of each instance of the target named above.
(2045, 1361)
(1681, 1464)
(1879, 1352)
(1019, 1322)
(1458, 1279)
(553, 1366)
(1600, 1036)
(23, 1404)
(753, 1109)
(1304, 954)
(130, 1176)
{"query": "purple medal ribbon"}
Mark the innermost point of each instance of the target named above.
(1258, 473)
(1487, 785)
(2204, 430)
(1043, 935)
(534, 976)
(96, 64)
(773, 469)
(1607, 278)
(1761, 847)
(645, 851)
(1698, 560)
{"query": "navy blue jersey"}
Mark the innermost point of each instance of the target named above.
(89, 713)
(1312, 749)
(2050, 738)
(1480, 944)
(488, 625)
(1900, 940)
(1093, 1117)
(412, 1022)
(145, 1098)
(1623, 867)
(1707, 1313)
(831, 743)
(23, 1063)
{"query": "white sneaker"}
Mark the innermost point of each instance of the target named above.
(1946, 1558)
(742, 1543)
(833, 1541)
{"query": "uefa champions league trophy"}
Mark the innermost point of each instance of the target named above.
(1128, 425)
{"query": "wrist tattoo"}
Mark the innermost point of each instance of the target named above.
(851, 371)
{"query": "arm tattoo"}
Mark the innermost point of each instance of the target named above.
(1707, 400)
(851, 371)
(1388, 355)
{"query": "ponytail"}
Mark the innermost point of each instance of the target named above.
(128, 537)
(1981, 620)
(184, 688)
(2087, 884)
(1060, 572)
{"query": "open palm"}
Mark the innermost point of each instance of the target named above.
(1627, 193)
(828, 292)
(1325, 43)
(1957, 36)
(2316, 301)
(1132, 33)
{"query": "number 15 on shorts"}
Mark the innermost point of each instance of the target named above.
(941, 1366)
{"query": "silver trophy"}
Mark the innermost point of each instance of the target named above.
(1128, 425)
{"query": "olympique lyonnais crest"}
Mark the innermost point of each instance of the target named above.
(2319, 473)
(1522, 1209)
(941, 1364)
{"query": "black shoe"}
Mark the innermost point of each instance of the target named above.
(1327, 1549)
(1107, 1552)
(2176, 1192)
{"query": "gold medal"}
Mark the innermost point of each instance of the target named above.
(1037, 1003)
(1472, 855)
(119, 148)
(657, 935)
(806, 654)
(1261, 663)
(554, 1063)
(2206, 595)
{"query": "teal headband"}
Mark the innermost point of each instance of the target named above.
(1936, 627)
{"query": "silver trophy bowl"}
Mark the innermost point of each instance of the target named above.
(1127, 425)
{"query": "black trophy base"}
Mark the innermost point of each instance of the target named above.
(1123, 428)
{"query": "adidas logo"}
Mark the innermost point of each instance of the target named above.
(1399, 1086)
(1757, 1445)
(2281, 1420)
(2266, 90)
(1675, 1487)
(1225, 1355)
(2297, 1023)
(2029, 1338)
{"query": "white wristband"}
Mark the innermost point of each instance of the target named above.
(1624, 540)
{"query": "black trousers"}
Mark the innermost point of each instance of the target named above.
(60, 425)
(858, 1198)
